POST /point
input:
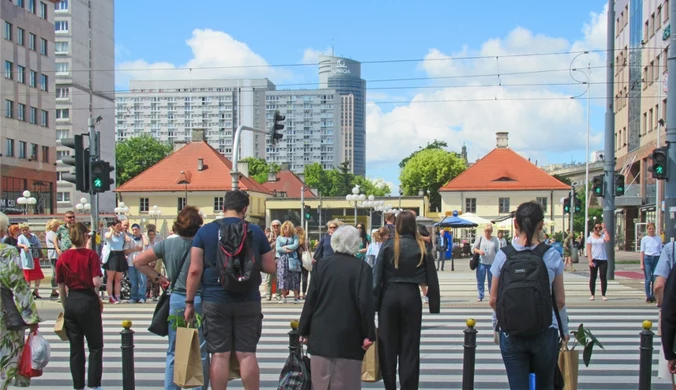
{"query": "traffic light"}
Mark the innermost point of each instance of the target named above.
(276, 126)
(307, 214)
(100, 174)
(619, 185)
(659, 167)
(566, 205)
(79, 159)
(578, 205)
(598, 185)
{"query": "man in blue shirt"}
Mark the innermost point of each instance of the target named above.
(232, 321)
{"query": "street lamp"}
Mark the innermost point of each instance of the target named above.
(155, 212)
(356, 199)
(83, 206)
(372, 204)
(26, 200)
(185, 181)
(121, 209)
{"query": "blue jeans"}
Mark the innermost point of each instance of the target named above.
(177, 303)
(537, 354)
(138, 285)
(649, 264)
(483, 270)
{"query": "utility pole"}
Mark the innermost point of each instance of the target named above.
(94, 150)
(609, 143)
(302, 208)
(234, 172)
(572, 213)
(670, 185)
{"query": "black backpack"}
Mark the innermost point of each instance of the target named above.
(237, 264)
(524, 304)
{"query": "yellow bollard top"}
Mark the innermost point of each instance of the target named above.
(126, 324)
(294, 324)
(470, 322)
(647, 324)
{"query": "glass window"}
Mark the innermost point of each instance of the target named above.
(9, 68)
(31, 6)
(9, 148)
(20, 3)
(470, 205)
(9, 108)
(503, 205)
(62, 134)
(63, 197)
(22, 149)
(8, 31)
(44, 82)
(34, 152)
(21, 112)
(61, 6)
(543, 202)
(33, 115)
(43, 46)
(32, 75)
(45, 154)
(61, 26)
(43, 10)
(181, 204)
(20, 36)
(144, 205)
(219, 203)
(21, 74)
(61, 47)
(44, 118)
(61, 68)
(31, 41)
(62, 113)
(62, 93)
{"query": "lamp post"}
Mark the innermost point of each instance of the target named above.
(356, 199)
(121, 209)
(155, 212)
(372, 204)
(185, 182)
(26, 200)
(83, 206)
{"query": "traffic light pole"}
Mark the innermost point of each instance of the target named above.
(609, 142)
(94, 151)
(670, 185)
(234, 172)
(572, 213)
(302, 208)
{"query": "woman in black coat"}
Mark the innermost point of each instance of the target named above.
(337, 322)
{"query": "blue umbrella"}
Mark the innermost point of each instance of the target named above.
(455, 222)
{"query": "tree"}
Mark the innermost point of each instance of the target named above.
(430, 145)
(563, 179)
(339, 181)
(137, 154)
(317, 177)
(429, 170)
(376, 187)
(578, 218)
(259, 168)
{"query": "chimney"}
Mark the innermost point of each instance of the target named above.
(285, 167)
(502, 139)
(243, 168)
(200, 164)
(178, 145)
(272, 175)
(198, 135)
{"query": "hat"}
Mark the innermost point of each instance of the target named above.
(136, 225)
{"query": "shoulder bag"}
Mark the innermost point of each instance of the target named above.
(160, 322)
(474, 261)
(10, 313)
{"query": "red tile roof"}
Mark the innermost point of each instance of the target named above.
(503, 169)
(288, 182)
(166, 174)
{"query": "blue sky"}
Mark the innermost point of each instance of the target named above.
(543, 124)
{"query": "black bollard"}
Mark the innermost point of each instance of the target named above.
(646, 357)
(469, 357)
(127, 356)
(294, 338)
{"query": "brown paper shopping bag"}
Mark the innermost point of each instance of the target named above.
(569, 363)
(60, 327)
(234, 367)
(188, 360)
(370, 366)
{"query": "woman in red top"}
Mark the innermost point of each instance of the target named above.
(79, 269)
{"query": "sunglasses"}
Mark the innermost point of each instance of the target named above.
(332, 227)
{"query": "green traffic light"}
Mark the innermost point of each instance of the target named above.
(659, 169)
(98, 183)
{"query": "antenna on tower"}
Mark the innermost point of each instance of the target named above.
(333, 41)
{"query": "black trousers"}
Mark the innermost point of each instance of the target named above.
(304, 274)
(399, 326)
(441, 259)
(82, 317)
(602, 270)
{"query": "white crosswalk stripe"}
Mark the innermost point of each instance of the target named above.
(614, 368)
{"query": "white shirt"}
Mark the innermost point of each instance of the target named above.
(598, 247)
(651, 245)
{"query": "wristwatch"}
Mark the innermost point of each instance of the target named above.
(189, 302)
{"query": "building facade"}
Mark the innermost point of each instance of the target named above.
(311, 129)
(85, 85)
(28, 157)
(344, 76)
(642, 31)
(169, 110)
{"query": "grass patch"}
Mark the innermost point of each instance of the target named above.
(627, 261)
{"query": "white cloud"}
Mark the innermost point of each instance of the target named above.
(311, 56)
(472, 102)
(215, 55)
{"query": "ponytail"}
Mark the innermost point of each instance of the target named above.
(529, 217)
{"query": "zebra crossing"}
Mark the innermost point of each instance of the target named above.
(614, 368)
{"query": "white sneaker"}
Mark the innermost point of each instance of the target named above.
(283, 300)
(296, 300)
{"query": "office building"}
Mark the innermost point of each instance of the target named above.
(169, 110)
(642, 31)
(27, 159)
(85, 85)
(311, 131)
(344, 76)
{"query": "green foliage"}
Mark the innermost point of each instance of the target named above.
(137, 154)
(375, 187)
(429, 170)
(578, 218)
(430, 145)
(178, 320)
(585, 338)
(339, 181)
(259, 168)
(563, 179)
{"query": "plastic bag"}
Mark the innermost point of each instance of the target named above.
(40, 351)
(26, 362)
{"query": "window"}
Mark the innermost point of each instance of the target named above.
(8, 31)
(34, 152)
(61, 26)
(63, 197)
(60, 154)
(43, 46)
(144, 205)
(44, 119)
(60, 134)
(9, 67)
(543, 202)
(43, 10)
(61, 68)
(32, 75)
(31, 41)
(503, 205)
(20, 36)
(62, 113)
(21, 74)
(31, 6)
(9, 148)
(61, 6)
(44, 81)
(181, 204)
(45, 154)
(219, 203)
(62, 93)
(470, 205)
(33, 115)
(9, 109)
(20, 3)
(22, 149)
(21, 112)
(61, 47)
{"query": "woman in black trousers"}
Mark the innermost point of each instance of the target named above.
(403, 264)
(79, 269)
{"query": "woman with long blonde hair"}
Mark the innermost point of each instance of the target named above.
(288, 278)
(51, 241)
(303, 247)
(403, 264)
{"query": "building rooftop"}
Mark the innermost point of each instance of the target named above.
(288, 183)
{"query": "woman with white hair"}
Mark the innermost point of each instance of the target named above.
(486, 246)
(340, 283)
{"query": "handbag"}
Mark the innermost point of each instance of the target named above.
(474, 261)
(10, 313)
(105, 252)
(159, 324)
(307, 260)
(85, 283)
